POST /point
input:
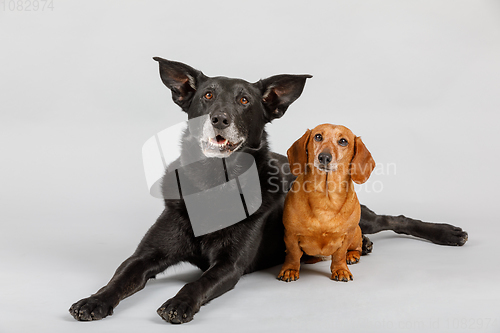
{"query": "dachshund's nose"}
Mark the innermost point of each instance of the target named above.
(325, 158)
(220, 120)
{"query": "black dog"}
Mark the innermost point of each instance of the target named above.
(238, 112)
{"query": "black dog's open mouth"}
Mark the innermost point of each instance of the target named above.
(219, 146)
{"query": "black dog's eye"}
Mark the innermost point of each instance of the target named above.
(209, 95)
(243, 100)
(343, 142)
(318, 137)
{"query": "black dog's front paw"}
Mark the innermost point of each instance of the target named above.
(91, 308)
(177, 311)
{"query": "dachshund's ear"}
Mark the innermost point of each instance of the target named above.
(297, 154)
(362, 163)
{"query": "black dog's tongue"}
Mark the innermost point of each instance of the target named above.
(220, 140)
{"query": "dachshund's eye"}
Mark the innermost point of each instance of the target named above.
(243, 100)
(343, 142)
(209, 95)
(318, 137)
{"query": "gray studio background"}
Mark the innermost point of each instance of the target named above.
(80, 94)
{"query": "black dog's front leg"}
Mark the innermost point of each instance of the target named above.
(130, 277)
(165, 244)
(215, 281)
(439, 233)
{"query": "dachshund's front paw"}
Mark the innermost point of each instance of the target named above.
(352, 257)
(176, 311)
(288, 275)
(342, 275)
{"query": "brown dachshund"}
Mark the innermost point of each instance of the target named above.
(322, 211)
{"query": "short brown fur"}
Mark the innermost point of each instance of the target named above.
(322, 211)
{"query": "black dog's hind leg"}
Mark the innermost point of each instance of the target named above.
(131, 276)
(439, 233)
(367, 246)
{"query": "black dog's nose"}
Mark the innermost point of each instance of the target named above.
(220, 120)
(325, 158)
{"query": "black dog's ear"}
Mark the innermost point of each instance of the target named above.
(279, 91)
(182, 79)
